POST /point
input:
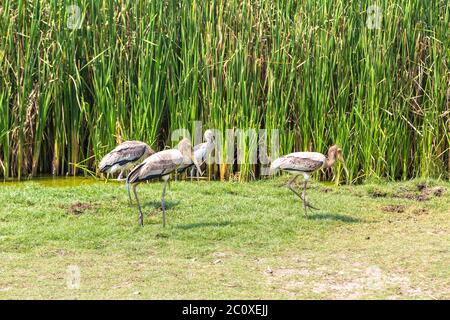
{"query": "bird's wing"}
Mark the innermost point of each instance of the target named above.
(157, 165)
(300, 161)
(129, 151)
(199, 146)
(200, 152)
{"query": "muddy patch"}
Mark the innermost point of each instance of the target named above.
(420, 211)
(394, 208)
(80, 208)
(436, 191)
(422, 193)
(375, 193)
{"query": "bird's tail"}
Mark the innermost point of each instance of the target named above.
(133, 175)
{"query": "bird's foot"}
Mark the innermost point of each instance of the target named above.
(307, 205)
(310, 206)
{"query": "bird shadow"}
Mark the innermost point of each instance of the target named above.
(157, 204)
(332, 216)
(203, 225)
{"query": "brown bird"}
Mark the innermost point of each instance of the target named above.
(306, 163)
(124, 157)
(161, 164)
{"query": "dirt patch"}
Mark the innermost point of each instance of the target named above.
(423, 197)
(375, 193)
(343, 281)
(437, 191)
(434, 191)
(413, 196)
(219, 254)
(421, 186)
(423, 193)
(79, 208)
(394, 208)
(326, 190)
(420, 211)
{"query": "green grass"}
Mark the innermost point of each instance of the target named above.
(140, 69)
(225, 240)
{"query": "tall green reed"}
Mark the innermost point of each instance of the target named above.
(314, 70)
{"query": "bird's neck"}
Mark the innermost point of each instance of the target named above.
(331, 159)
(210, 145)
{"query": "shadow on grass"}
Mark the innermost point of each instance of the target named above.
(203, 225)
(157, 204)
(332, 216)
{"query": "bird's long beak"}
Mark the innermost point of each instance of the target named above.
(197, 165)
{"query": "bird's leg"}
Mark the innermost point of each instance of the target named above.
(119, 178)
(301, 196)
(129, 195)
(163, 204)
(197, 174)
(304, 198)
(306, 204)
(141, 217)
(289, 185)
(192, 173)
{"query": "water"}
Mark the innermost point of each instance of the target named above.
(54, 182)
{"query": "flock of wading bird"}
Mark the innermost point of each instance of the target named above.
(149, 164)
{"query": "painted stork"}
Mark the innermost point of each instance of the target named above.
(124, 157)
(161, 164)
(306, 163)
(201, 151)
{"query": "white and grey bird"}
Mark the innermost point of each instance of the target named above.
(306, 163)
(124, 157)
(161, 164)
(201, 151)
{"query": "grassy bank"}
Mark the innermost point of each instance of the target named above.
(320, 72)
(225, 240)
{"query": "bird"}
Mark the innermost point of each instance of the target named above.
(200, 151)
(161, 164)
(124, 157)
(306, 163)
